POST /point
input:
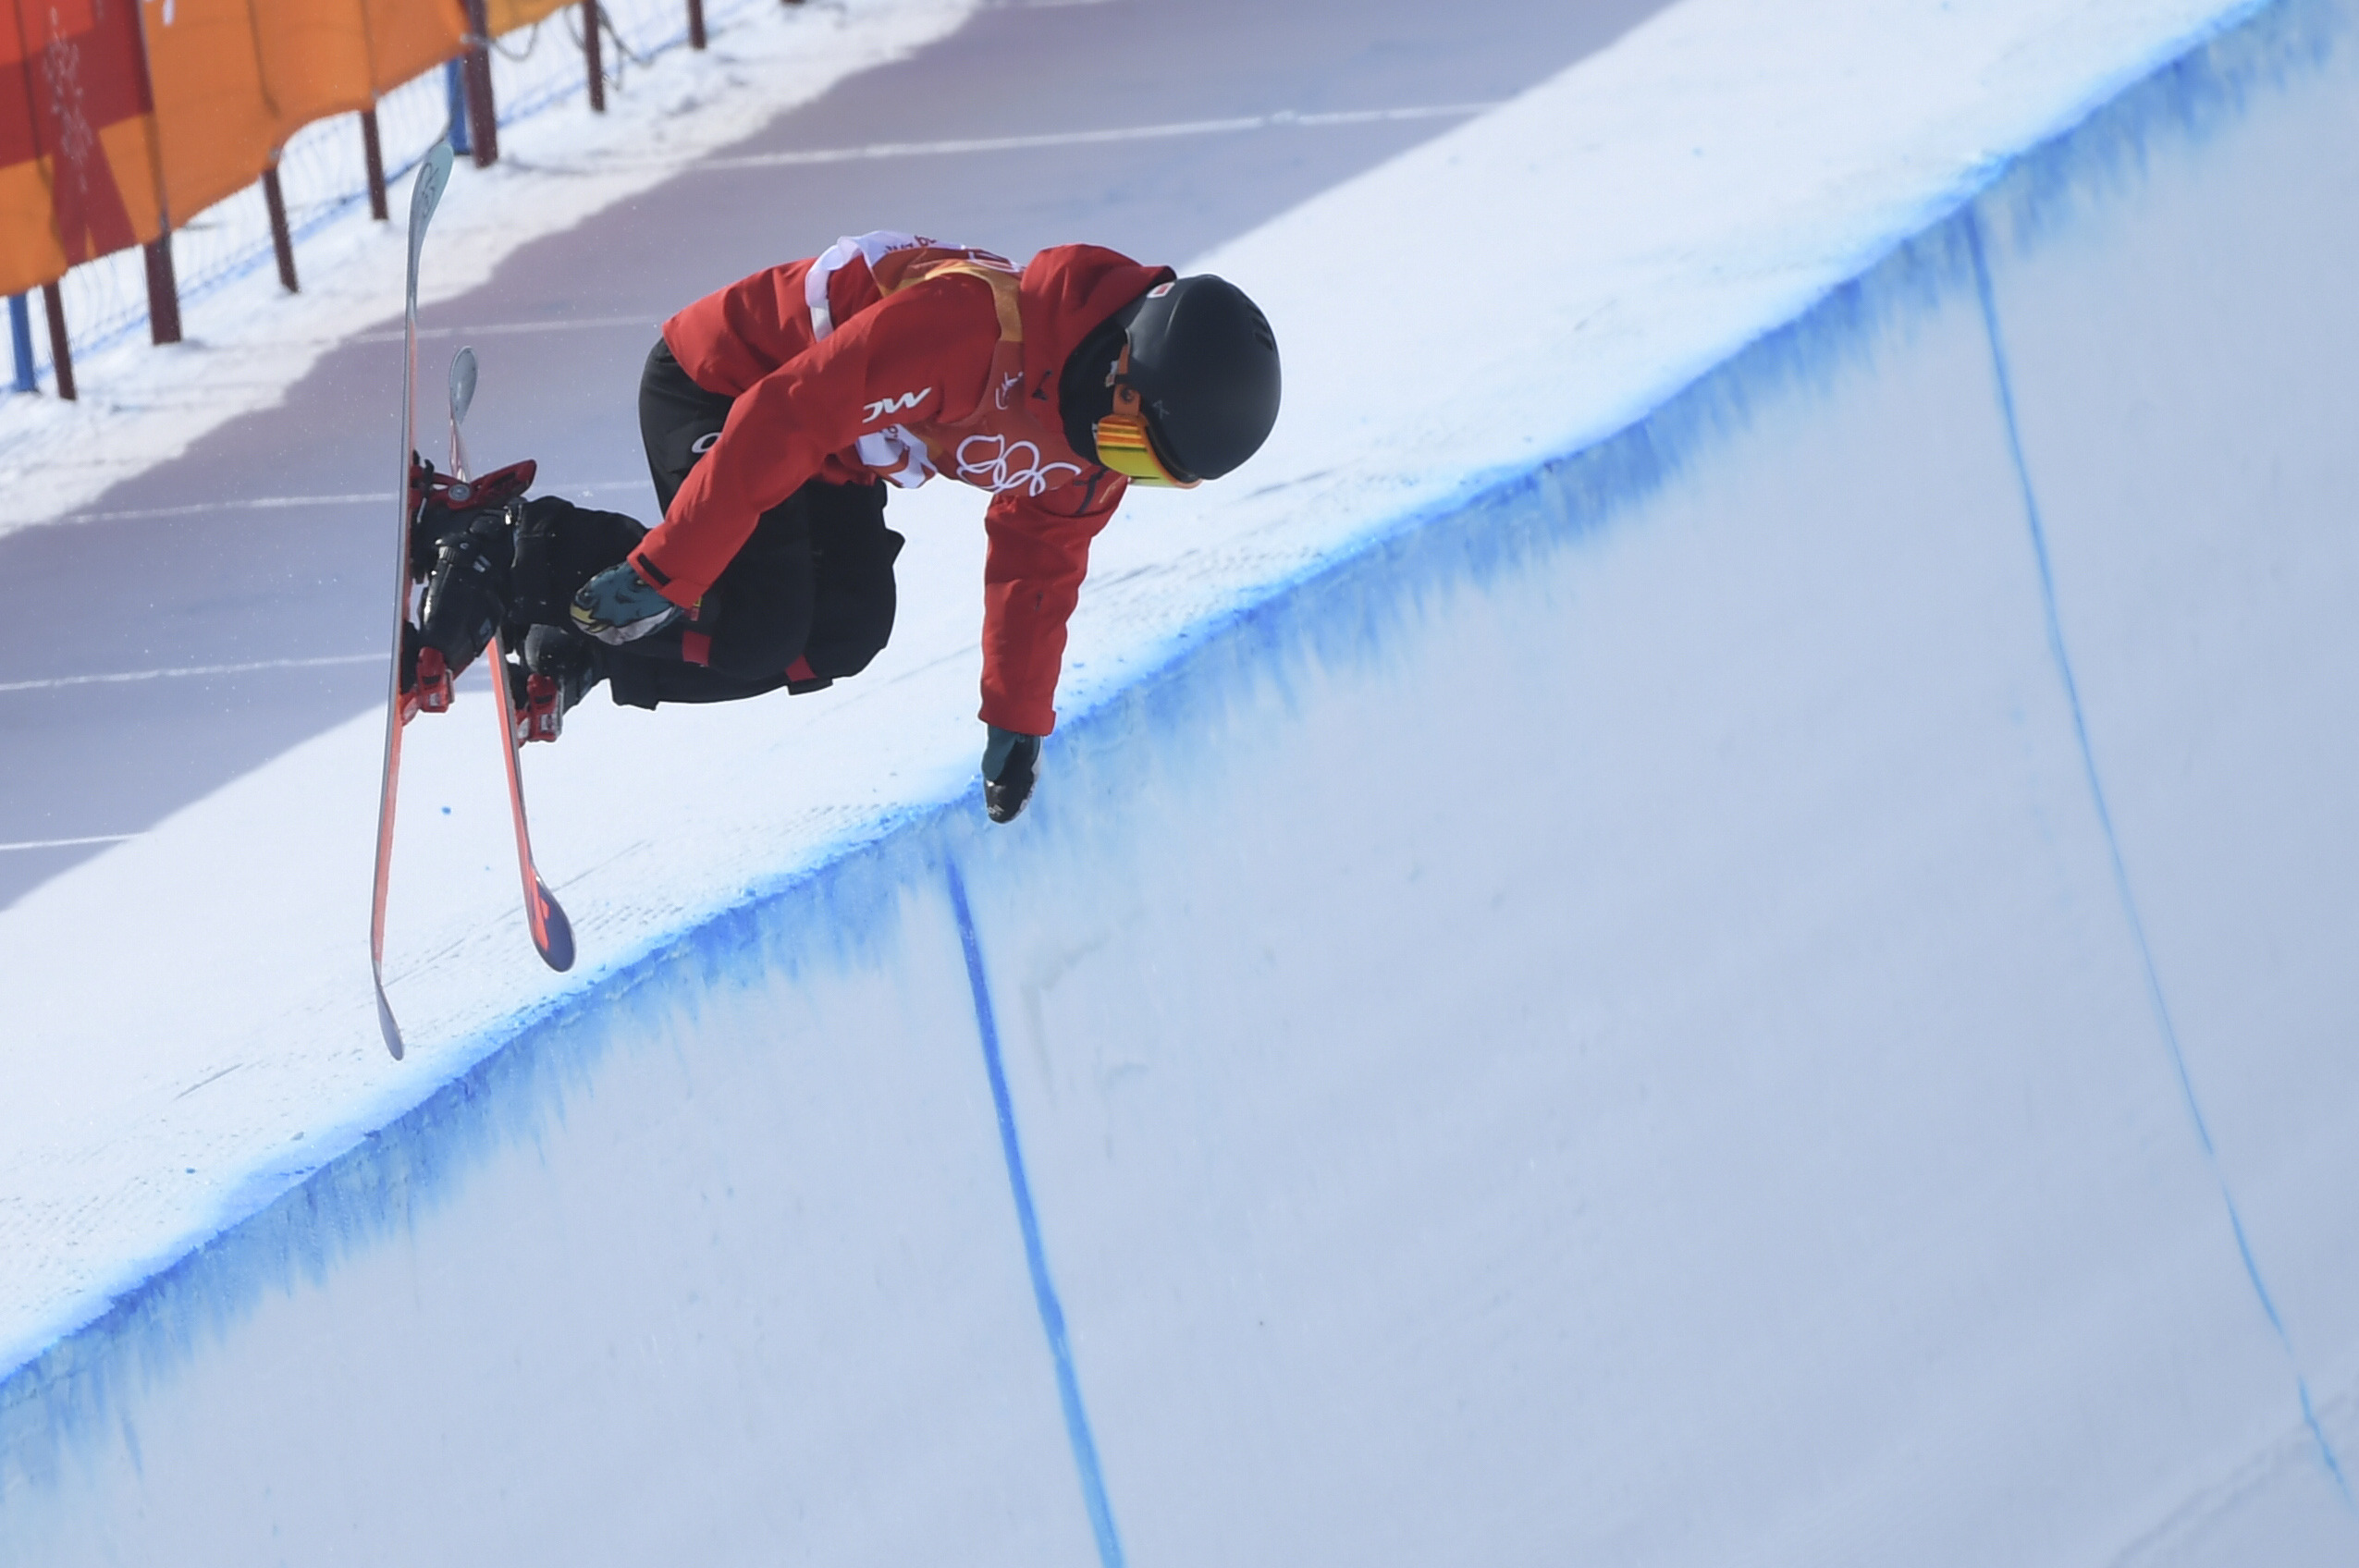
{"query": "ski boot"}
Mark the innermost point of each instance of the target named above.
(461, 541)
(557, 548)
(466, 595)
(441, 506)
(555, 671)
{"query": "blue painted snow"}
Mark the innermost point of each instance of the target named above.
(1036, 1256)
(2156, 998)
(1352, 612)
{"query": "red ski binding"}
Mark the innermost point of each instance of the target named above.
(439, 492)
(434, 681)
(539, 717)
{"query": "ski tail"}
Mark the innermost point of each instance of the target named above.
(552, 932)
(425, 194)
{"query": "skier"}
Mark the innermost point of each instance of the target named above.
(775, 412)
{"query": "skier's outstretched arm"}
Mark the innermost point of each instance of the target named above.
(1039, 553)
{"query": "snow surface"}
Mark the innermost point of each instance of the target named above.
(1647, 1010)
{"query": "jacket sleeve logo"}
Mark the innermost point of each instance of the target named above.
(884, 406)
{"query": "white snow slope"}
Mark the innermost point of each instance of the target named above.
(1707, 921)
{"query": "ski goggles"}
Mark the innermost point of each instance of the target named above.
(1124, 443)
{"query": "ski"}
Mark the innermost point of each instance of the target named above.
(552, 932)
(425, 193)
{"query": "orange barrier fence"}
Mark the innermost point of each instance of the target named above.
(235, 79)
(121, 120)
(112, 114)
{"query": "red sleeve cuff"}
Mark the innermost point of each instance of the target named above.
(1025, 718)
(687, 596)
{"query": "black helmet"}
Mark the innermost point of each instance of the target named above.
(1206, 368)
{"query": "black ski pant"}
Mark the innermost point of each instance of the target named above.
(812, 589)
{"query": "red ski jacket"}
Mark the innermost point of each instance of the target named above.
(890, 357)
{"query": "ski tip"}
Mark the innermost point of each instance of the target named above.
(384, 1023)
(553, 934)
(463, 385)
(425, 194)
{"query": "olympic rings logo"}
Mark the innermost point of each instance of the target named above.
(996, 463)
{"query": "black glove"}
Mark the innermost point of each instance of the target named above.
(1011, 762)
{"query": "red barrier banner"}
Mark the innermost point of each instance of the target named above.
(78, 138)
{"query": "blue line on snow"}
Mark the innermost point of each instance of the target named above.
(1044, 1292)
(2163, 1021)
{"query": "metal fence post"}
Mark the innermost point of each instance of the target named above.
(454, 87)
(590, 55)
(372, 150)
(282, 239)
(162, 289)
(483, 119)
(21, 332)
(61, 353)
(163, 292)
